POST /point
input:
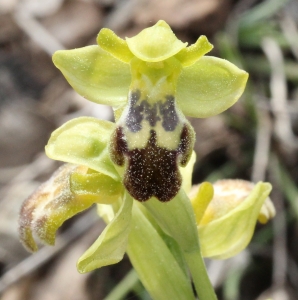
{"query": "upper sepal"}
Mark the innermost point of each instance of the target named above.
(155, 43)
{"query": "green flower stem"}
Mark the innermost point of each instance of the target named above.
(199, 274)
(156, 266)
(124, 287)
(177, 218)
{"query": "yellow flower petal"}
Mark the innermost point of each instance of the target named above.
(191, 54)
(113, 44)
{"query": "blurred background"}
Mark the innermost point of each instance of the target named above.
(254, 140)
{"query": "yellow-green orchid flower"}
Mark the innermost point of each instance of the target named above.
(153, 81)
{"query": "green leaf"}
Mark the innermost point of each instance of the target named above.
(84, 141)
(209, 87)
(261, 12)
(156, 266)
(226, 236)
(110, 247)
(95, 74)
(155, 43)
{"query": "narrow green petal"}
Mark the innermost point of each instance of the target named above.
(110, 247)
(95, 74)
(209, 87)
(84, 141)
(155, 43)
(156, 266)
(102, 188)
(49, 206)
(113, 44)
(191, 54)
(230, 234)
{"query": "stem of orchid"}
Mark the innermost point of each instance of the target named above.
(124, 287)
(199, 274)
(177, 218)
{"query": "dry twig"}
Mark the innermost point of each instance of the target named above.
(278, 88)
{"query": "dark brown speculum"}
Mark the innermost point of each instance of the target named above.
(151, 171)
